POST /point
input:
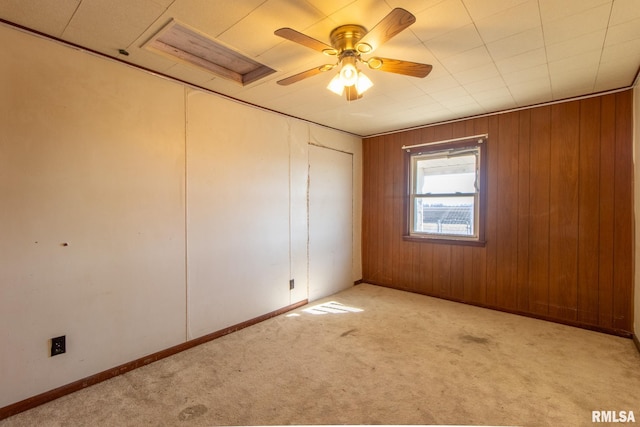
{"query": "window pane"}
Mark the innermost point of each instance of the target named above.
(446, 175)
(444, 215)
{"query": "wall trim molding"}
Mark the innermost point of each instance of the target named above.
(37, 400)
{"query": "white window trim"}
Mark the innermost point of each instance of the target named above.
(435, 149)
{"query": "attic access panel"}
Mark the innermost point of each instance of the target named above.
(185, 44)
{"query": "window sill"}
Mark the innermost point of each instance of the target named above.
(445, 241)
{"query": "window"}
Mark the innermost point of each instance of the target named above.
(446, 194)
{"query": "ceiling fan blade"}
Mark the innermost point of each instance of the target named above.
(397, 20)
(305, 74)
(408, 68)
(310, 42)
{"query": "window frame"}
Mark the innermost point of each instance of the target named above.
(414, 151)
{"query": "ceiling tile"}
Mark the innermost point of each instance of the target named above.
(485, 72)
(564, 86)
(524, 75)
(576, 46)
(531, 91)
(516, 44)
(629, 30)
(438, 84)
(468, 110)
(456, 41)
(551, 10)
(623, 11)
(413, 6)
(453, 103)
(603, 85)
(189, 73)
(444, 95)
(617, 65)
(570, 27)
(479, 9)
(575, 75)
(488, 84)
(288, 56)
(328, 7)
(522, 62)
(512, 21)
(467, 60)
(41, 15)
(222, 86)
(405, 46)
(417, 101)
(440, 19)
(582, 64)
(399, 88)
(108, 26)
(625, 52)
(266, 19)
(613, 75)
(210, 17)
(495, 102)
(502, 93)
(568, 92)
(362, 12)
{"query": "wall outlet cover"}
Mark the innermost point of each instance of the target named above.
(58, 345)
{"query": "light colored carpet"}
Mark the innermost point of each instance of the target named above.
(404, 359)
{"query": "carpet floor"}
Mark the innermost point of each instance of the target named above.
(371, 355)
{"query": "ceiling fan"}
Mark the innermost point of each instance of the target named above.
(348, 44)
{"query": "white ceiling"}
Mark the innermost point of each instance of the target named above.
(487, 55)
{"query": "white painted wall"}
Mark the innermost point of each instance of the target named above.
(148, 181)
(238, 217)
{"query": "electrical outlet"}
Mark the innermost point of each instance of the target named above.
(58, 345)
(292, 284)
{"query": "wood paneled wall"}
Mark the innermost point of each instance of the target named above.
(559, 218)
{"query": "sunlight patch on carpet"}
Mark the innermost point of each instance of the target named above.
(331, 307)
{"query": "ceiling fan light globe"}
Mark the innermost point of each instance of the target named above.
(363, 84)
(349, 74)
(336, 86)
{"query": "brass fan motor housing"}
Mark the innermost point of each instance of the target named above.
(346, 37)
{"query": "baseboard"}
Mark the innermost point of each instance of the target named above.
(581, 325)
(56, 393)
(636, 341)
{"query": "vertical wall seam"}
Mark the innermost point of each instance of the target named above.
(186, 234)
(289, 144)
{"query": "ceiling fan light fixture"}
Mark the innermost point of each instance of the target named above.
(363, 84)
(349, 72)
(348, 43)
(336, 86)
